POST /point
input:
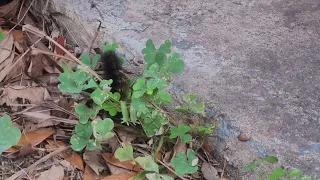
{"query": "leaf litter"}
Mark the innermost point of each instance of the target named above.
(29, 70)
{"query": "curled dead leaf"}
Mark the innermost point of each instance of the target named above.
(89, 174)
(34, 138)
(110, 158)
(123, 176)
(92, 158)
(35, 95)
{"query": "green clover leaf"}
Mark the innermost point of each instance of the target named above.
(110, 47)
(148, 164)
(163, 97)
(181, 131)
(78, 142)
(276, 174)
(85, 113)
(93, 144)
(84, 130)
(102, 129)
(124, 153)
(9, 134)
(183, 165)
(175, 63)
(111, 107)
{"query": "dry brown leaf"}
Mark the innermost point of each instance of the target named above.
(6, 47)
(125, 136)
(17, 34)
(116, 170)
(34, 138)
(113, 143)
(73, 157)
(209, 172)
(92, 158)
(11, 150)
(26, 149)
(179, 147)
(35, 95)
(109, 158)
(123, 176)
(56, 172)
(89, 174)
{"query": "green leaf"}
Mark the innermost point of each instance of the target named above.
(251, 166)
(166, 47)
(93, 144)
(78, 142)
(175, 63)
(182, 165)
(84, 130)
(140, 84)
(152, 71)
(149, 47)
(9, 134)
(295, 173)
(163, 97)
(111, 107)
(206, 130)
(95, 60)
(276, 174)
(1, 38)
(110, 47)
(156, 83)
(181, 131)
(133, 115)
(270, 159)
(192, 158)
(139, 105)
(103, 129)
(160, 58)
(148, 164)
(99, 96)
(124, 153)
(85, 113)
(153, 124)
(125, 114)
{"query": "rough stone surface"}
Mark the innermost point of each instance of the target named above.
(256, 64)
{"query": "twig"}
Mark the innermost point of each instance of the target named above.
(95, 36)
(40, 51)
(224, 166)
(39, 33)
(43, 159)
(21, 57)
(24, 15)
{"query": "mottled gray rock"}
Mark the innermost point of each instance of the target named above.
(256, 64)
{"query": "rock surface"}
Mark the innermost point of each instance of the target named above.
(256, 64)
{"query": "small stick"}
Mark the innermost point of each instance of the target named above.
(224, 166)
(39, 33)
(43, 159)
(40, 51)
(24, 15)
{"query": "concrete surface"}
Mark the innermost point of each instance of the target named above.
(256, 64)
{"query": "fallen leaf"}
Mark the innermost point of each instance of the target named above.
(209, 172)
(123, 176)
(62, 41)
(11, 150)
(6, 47)
(26, 149)
(37, 65)
(89, 174)
(56, 172)
(125, 136)
(35, 95)
(113, 143)
(116, 170)
(73, 158)
(179, 147)
(92, 158)
(34, 138)
(109, 158)
(17, 34)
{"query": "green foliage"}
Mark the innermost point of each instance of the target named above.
(102, 129)
(144, 107)
(277, 173)
(181, 131)
(193, 104)
(124, 153)
(206, 130)
(1, 34)
(9, 134)
(185, 164)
